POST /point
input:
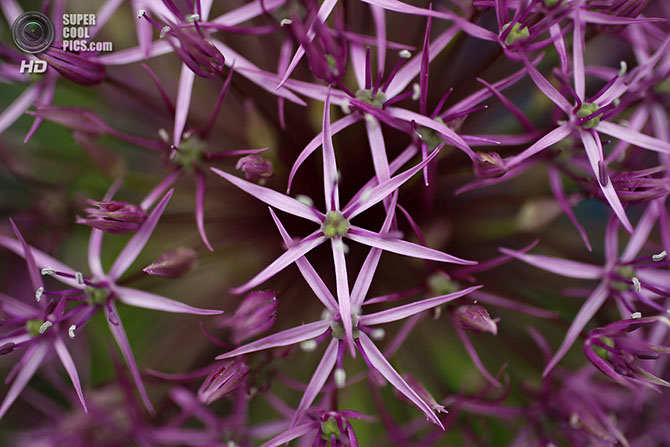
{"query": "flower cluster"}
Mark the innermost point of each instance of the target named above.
(395, 206)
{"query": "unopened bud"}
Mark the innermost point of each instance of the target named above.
(223, 380)
(7, 348)
(76, 67)
(256, 314)
(423, 393)
(475, 318)
(256, 168)
(173, 264)
(113, 217)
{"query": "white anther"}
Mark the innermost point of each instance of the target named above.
(371, 120)
(345, 106)
(405, 54)
(337, 176)
(340, 377)
(140, 13)
(416, 89)
(48, 271)
(191, 18)
(38, 294)
(616, 102)
(326, 315)
(163, 135)
(166, 29)
(285, 22)
(79, 277)
(378, 334)
(636, 284)
(70, 330)
(305, 200)
(437, 312)
(46, 325)
(574, 420)
(623, 69)
(308, 345)
(636, 315)
(660, 256)
(340, 245)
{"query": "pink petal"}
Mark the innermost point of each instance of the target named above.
(146, 300)
(545, 86)
(285, 338)
(552, 137)
(29, 363)
(184, 91)
(68, 364)
(318, 379)
(200, 188)
(330, 174)
(139, 239)
(641, 233)
(33, 270)
(272, 198)
(407, 310)
(290, 434)
(14, 111)
(578, 55)
(563, 267)
(635, 138)
(474, 356)
(343, 297)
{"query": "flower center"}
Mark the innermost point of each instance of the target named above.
(97, 295)
(365, 95)
(625, 271)
(190, 152)
(587, 109)
(518, 32)
(33, 327)
(335, 225)
(328, 428)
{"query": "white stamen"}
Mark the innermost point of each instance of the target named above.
(38, 294)
(140, 13)
(308, 345)
(623, 69)
(659, 257)
(437, 312)
(163, 135)
(48, 271)
(378, 334)
(345, 106)
(340, 245)
(70, 331)
(305, 200)
(326, 315)
(187, 134)
(285, 22)
(416, 88)
(636, 284)
(574, 420)
(191, 18)
(166, 29)
(371, 120)
(636, 315)
(616, 102)
(405, 54)
(79, 277)
(340, 377)
(46, 325)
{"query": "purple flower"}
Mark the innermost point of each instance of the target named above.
(223, 380)
(256, 168)
(114, 216)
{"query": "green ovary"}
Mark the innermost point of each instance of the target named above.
(365, 95)
(518, 32)
(96, 296)
(33, 327)
(328, 428)
(335, 225)
(190, 152)
(586, 110)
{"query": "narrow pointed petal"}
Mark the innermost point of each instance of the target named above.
(382, 365)
(315, 282)
(402, 312)
(68, 364)
(343, 297)
(184, 91)
(124, 346)
(20, 105)
(563, 267)
(641, 233)
(474, 356)
(146, 300)
(556, 184)
(271, 197)
(200, 188)
(318, 379)
(401, 247)
(294, 252)
(33, 270)
(578, 56)
(290, 435)
(545, 86)
(330, 174)
(29, 363)
(552, 137)
(594, 154)
(447, 134)
(633, 137)
(285, 338)
(18, 308)
(364, 201)
(159, 190)
(139, 240)
(587, 311)
(378, 149)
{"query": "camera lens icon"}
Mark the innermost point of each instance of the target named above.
(32, 32)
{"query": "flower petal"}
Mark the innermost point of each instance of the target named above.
(283, 338)
(563, 267)
(633, 137)
(318, 379)
(146, 300)
(68, 364)
(33, 271)
(29, 363)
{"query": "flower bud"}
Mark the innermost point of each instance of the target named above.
(223, 380)
(256, 168)
(475, 318)
(173, 264)
(7, 348)
(76, 67)
(423, 393)
(255, 315)
(114, 217)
